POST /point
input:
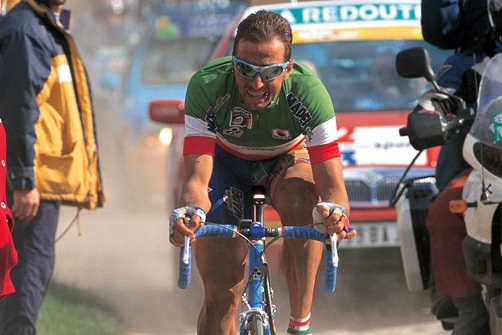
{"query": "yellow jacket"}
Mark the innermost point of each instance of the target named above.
(57, 154)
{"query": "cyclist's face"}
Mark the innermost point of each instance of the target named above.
(258, 93)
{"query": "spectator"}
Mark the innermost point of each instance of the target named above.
(52, 152)
(8, 254)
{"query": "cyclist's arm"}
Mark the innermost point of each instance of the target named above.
(328, 178)
(197, 172)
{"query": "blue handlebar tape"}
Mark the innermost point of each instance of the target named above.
(185, 268)
(185, 272)
(330, 276)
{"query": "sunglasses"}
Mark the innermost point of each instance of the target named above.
(267, 73)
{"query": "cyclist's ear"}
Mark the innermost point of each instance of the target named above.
(289, 68)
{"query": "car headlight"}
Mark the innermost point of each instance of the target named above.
(166, 136)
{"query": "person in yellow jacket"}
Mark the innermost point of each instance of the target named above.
(52, 150)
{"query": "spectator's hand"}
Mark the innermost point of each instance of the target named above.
(185, 221)
(334, 218)
(26, 204)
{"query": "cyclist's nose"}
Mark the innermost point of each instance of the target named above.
(257, 81)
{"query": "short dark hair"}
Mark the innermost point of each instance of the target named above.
(263, 26)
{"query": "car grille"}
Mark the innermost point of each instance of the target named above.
(358, 190)
(385, 188)
(369, 192)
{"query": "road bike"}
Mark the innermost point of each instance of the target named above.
(258, 316)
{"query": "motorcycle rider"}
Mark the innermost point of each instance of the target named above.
(462, 25)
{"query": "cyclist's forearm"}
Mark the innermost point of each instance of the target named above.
(195, 194)
(329, 182)
(197, 171)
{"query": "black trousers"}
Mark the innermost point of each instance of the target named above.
(35, 243)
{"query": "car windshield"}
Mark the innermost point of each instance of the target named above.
(173, 61)
(361, 75)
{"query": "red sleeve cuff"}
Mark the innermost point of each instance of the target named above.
(321, 153)
(199, 145)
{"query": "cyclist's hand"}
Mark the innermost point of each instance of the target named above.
(334, 218)
(184, 221)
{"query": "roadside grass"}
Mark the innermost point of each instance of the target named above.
(67, 311)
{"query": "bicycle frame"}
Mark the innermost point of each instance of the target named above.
(258, 280)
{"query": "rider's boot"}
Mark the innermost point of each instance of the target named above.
(473, 318)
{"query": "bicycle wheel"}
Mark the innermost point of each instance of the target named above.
(255, 325)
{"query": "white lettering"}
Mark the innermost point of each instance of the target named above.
(351, 13)
(329, 14)
(407, 11)
(348, 13)
(311, 15)
(388, 13)
(368, 12)
(288, 16)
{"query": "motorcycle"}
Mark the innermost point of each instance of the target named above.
(481, 203)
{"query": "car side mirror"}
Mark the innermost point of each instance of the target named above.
(170, 111)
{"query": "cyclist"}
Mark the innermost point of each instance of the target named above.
(245, 116)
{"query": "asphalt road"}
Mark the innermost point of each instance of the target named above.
(123, 256)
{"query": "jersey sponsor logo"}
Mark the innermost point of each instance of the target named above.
(281, 134)
(240, 119)
(300, 112)
(212, 110)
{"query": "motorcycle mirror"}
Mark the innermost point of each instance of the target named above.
(415, 63)
(170, 111)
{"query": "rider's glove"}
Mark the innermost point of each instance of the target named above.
(185, 212)
(434, 119)
(333, 209)
(439, 102)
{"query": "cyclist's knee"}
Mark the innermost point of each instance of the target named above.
(220, 263)
(294, 199)
(220, 299)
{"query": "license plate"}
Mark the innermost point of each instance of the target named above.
(371, 235)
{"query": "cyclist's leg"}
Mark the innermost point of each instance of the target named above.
(221, 262)
(294, 195)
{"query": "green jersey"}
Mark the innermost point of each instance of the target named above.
(301, 112)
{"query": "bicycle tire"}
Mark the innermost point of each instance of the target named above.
(255, 325)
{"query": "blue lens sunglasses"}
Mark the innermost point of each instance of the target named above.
(267, 73)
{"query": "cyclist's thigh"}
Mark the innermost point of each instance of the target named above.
(231, 182)
(230, 191)
(220, 261)
(294, 195)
